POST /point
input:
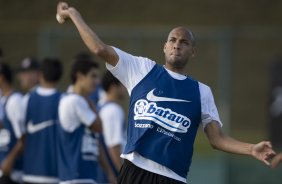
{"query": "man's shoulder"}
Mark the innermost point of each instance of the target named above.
(111, 107)
(204, 89)
(71, 98)
(14, 98)
(203, 85)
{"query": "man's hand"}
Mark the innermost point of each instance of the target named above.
(90, 38)
(276, 160)
(63, 10)
(263, 151)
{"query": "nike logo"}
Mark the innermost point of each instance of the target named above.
(151, 97)
(31, 128)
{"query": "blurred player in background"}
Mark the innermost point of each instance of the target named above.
(166, 108)
(112, 117)
(1, 107)
(98, 93)
(277, 160)
(79, 152)
(10, 129)
(28, 73)
(40, 110)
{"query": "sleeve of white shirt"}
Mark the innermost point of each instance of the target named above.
(84, 112)
(14, 113)
(74, 110)
(130, 70)
(209, 109)
(112, 117)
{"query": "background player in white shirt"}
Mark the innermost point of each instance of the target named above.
(179, 49)
(78, 128)
(112, 117)
(10, 128)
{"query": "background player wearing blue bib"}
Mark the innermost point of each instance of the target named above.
(79, 154)
(10, 129)
(166, 108)
(41, 119)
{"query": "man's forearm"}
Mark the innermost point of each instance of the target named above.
(115, 155)
(225, 143)
(9, 161)
(261, 151)
(91, 39)
(228, 144)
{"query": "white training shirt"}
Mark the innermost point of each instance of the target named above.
(130, 70)
(113, 120)
(74, 111)
(14, 112)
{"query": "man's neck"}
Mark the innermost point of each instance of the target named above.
(175, 69)
(78, 90)
(111, 97)
(6, 89)
(46, 84)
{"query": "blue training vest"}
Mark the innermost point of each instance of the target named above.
(40, 154)
(78, 153)
(8, 139)
(164, 116)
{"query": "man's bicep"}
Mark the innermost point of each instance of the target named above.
(214, 133)
(111, 57)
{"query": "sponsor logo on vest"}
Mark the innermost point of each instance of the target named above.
(89, 146)
(141, 125)
(33, 128)
(163, 131)
(164, 117)
(153, 98)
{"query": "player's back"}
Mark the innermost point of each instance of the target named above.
(77, 146)
(40, 154)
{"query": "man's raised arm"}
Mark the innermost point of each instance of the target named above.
(90, 38)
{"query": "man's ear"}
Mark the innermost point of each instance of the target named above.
(194, 51)
(164, 46)
(78, 76)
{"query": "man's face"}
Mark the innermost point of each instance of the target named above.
(179, 48)
(28, 79)
(89, 81)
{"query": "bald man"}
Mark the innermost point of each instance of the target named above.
(166, 108)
